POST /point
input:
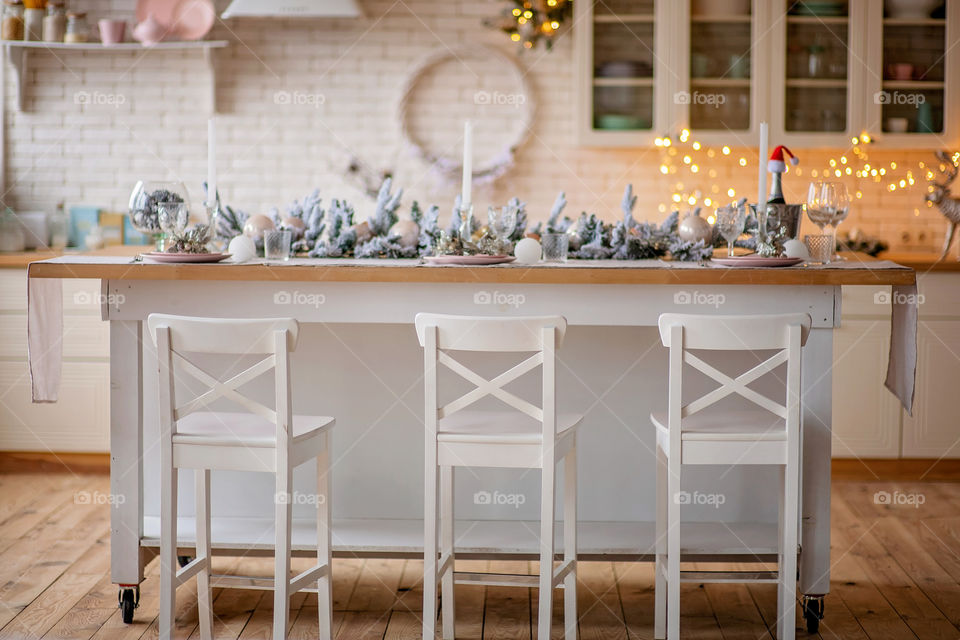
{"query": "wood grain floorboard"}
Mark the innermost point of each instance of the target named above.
(895, 575)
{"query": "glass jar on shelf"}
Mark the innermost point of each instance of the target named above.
(33, 20)
(55, 22)
(77, 29)
(11, 24)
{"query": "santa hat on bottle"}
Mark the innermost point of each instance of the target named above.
(776, 163)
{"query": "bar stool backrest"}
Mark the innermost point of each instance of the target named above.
(439, 334)
(178, 336)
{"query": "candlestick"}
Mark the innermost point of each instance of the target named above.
(465, 195)
(762, 162)
(211, 160)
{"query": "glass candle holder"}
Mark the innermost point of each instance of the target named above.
(276, 244)
(555, 247)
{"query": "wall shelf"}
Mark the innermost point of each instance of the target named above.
(17, 54)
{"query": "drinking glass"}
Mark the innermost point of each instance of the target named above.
(502, 224)
(276, 244)
(730, 222)
(828, 204)
(555, 247)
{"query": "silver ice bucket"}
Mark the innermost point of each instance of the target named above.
(777, 223)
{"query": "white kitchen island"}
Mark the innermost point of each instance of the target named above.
(359, 360)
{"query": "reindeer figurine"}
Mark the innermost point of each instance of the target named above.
(940, 195)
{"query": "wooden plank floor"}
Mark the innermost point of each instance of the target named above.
(895, 556)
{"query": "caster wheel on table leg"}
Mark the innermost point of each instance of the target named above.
(129, 599)
(813, 612)
(184, 560)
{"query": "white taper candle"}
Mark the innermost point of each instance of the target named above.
(465, 194)
(762, 170)
(212, 160)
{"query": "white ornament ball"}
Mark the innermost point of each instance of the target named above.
(243, 248)
(796, 249)
(527, 251)
(693, 228)
(408, 233)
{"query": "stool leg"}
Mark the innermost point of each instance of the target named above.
(324, 533)
(788, 568)
(281, 567)
(660, 566)
(547, 492)
(448, 608)
(204, 599)
(168, 545)
(673, 553)
(570, 544)
(430, 543)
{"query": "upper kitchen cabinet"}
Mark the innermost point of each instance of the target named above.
(912, 85)
(623, 72)
(817, 71)
(718, 67)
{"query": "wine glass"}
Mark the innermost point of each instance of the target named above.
(502, 224)
(730, 222)
(828, 204)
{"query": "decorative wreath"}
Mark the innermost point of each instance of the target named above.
(448, 168)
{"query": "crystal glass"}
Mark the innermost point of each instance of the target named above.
(730, 222)
(145, 197)
(555, 247)
(276, 244)
(828, 204)
(502, 224)
(820, 247)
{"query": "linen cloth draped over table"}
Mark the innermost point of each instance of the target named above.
(45, 310)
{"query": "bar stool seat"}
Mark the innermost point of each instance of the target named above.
(500, 427)
(742, 424)
(235, 429)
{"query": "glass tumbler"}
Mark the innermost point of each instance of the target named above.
(276, 244)
(555, 247)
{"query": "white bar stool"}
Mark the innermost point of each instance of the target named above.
(530, 438)
(261, 439)
(765, 434)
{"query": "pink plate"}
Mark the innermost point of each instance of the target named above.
(159, 256)
(757, 261)
(193, 19)
(476, 260)
(161, 10)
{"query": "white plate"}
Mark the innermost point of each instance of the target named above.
(475, 260)
(757, 261)
(159, 256)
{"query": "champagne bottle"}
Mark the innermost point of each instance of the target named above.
(776, 189)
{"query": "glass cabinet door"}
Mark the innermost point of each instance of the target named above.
(720, 69)
(913, 68)
(623, 65)
(816, 70)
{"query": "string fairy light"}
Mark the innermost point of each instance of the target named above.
(682, 155)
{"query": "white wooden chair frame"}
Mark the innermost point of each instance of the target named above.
(174, 336)
(680, 333)
(439, 334)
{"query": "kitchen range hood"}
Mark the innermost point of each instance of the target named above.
(293, 9)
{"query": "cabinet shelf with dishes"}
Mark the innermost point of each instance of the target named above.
(819, 72)
(17, 54)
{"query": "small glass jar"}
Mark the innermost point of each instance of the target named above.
(77, 28)
(11, 232)
(55, 22)
(11, 24)
(33, 24)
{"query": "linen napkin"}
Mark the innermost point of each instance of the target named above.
(902, 365)
(44, 336)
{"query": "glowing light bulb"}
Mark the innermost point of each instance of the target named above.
(731, 192)
(676, 197)
(658, 141)
(711, 153)
(843, 159)
(664, 169)
(517, 12)
(696, 146)
(833, 162)
(743, 162)
(555, 24)
(725, 150)
(687, 159)
(515, 37)
(694, 168)
(667, 142)
(692, 200)
(708, 202)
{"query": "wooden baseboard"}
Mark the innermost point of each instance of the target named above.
(33, 462)
(916, 470)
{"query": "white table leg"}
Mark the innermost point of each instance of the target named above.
(126, 446)
(815, 462)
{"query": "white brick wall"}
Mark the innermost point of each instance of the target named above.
(271, 154)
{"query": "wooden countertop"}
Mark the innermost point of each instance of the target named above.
(115, 264)
(20, 259)
(924, 262)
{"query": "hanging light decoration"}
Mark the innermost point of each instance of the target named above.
(530, 22)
